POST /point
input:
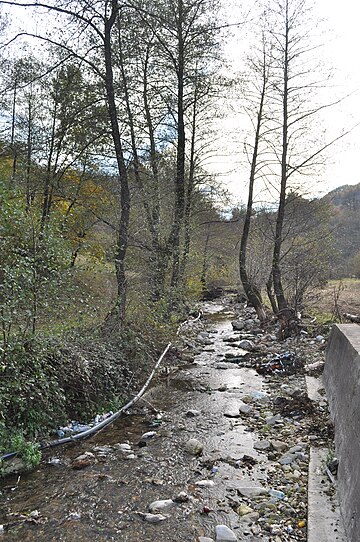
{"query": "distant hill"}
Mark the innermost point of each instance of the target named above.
(344, 207)
(346, 197)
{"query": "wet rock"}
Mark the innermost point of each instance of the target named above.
(223, 366)
(272, 420)
(231, 357)
(224, 534)
(182, 497)
(128, 457)
(152, 518)
(161, 506)
(246, 345)
(83, 460)
(259, 396)
(148, 435)
(193, 413)
(244, 408)
(262, 445)
(187, 357)
(250, 518)
(194, 447)
(103, 450)
(278, 445)
(205, 483)
(244, 510)
(232, 412)
(287, 459)
(54, 461)
(124, 448)
(238, 325)
(251, 492)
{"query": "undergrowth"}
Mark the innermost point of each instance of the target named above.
(47, 382)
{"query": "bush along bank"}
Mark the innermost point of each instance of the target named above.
(48, 382)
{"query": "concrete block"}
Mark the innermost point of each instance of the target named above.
(342, 383)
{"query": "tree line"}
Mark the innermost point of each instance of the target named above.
(105, 131)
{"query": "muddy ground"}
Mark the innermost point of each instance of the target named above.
(247, 409)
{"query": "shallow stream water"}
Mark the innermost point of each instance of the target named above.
(102, 501)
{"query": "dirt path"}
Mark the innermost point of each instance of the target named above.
(254, 432)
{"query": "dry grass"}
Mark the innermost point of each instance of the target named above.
(342, 294)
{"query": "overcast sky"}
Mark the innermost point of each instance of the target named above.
(340, 22)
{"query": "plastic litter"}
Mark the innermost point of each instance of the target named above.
(276, 494)
(285, 363)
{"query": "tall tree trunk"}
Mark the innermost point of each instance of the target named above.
(161, 251)
(47, 194)
(252, 293)
(189, 191)
(13, 121)
(283, 306)
(123, 225)
(29, 193)
(180, 157)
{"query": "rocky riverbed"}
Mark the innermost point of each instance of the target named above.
(218, 449)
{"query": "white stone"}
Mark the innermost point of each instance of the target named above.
(160, 506)
(153, 518)
(149, 434)
(224, 534)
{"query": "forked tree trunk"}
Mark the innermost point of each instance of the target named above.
(251, 291)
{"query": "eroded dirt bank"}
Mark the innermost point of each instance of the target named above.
(247, 468)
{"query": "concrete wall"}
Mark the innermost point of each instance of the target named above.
(342, 382)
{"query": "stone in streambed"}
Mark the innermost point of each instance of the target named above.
(152, 518)
(160, 506)
(251, 492)
(238, 325)
(194, 447)
(244, 510)
(224, 534)
(232, 412)
(246, 345)
(262, 445)
(278, 445)
(244, 408)
(83, 460)
(193, 413)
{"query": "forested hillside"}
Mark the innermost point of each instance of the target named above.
(345, 224)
